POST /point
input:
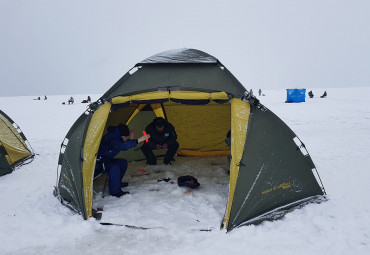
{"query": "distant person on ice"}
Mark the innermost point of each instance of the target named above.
(88, 100)
(71, 100)
(324, 95)
(259, 92)
(45, 98)
(310, 94)
(119, 138)
(162, 136)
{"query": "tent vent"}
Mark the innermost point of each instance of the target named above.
(133, 70)
(223, 68)
(300, 146)
(64, 145)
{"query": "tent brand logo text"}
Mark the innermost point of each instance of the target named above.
(284, 185)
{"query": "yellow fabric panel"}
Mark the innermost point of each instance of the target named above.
(187, 95)
(91, 146)
(157, 108)
(240, 111)
(13, 143)
(143, 96)
(138, 109)
(203, 153)
(191, 95)
(120, 116)
(219, 96)
(200, 127)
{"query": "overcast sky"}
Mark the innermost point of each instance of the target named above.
(80, 47)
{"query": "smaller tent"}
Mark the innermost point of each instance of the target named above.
(15, 150)
(295, 95)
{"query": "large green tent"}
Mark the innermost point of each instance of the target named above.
(14, 147)
(270, 170)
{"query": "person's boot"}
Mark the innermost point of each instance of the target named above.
(168, 161)
(121, 193)
(124, 184)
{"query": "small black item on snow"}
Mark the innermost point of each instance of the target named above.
(188, 181)
(166, 180)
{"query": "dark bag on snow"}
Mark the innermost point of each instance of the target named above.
(188, 181)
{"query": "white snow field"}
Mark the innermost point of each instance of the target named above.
(335, 130)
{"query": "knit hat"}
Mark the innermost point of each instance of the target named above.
(159, 122)
(123, 130)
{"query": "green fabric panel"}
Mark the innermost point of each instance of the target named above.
(274, 173)
(70, 180)
(5, 168)
(202, 77)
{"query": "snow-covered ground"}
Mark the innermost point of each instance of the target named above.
(335, 130)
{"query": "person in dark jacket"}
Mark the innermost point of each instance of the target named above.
(310, 94)
(324, 95)
(162, 136)
(119, 138)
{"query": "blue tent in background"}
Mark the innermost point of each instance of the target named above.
(295, 95)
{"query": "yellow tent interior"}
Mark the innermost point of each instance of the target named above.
(201, 129)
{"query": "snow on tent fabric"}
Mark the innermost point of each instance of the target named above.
(196, 93)
(295, 95)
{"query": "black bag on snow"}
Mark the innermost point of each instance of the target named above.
(188, 181)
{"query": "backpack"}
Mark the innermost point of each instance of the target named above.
(188, 181)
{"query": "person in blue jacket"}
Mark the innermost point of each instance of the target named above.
(119, 138)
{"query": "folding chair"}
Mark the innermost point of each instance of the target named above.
(99, 172)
